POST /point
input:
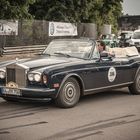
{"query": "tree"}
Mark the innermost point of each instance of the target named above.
(112, 10)
(62, 10)
(76, 11)
(15, 9)
(87, 11)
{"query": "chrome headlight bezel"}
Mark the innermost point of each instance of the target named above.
(2, 74)
(34, 77)
(37, 77)
(31, 77)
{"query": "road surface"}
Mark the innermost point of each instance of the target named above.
(112, 115)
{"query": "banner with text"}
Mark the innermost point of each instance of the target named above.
(62, 29)
(8, 27)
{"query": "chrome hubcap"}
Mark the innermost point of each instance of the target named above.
(70, 92)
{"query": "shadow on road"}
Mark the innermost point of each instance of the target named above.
(113, 94)
(107, 95)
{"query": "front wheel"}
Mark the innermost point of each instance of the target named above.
(135, 87)
(69, 94)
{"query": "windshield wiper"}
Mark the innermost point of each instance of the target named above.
(64, 54)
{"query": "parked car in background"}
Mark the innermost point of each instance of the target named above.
(124, 37)
(110, 40)
(135, 39)
(69, 69)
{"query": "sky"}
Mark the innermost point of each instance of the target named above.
(131, 7)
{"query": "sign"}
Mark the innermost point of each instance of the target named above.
(112, 74)
(8, 27)
(62, 29)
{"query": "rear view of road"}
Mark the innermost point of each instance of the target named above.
(112, 115)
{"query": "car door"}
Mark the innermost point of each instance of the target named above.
(114, 72)
(107, 73)
(101, 73)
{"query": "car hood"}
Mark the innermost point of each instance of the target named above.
(36, 63)
(3, 64)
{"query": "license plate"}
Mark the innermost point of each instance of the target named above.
(11, 91)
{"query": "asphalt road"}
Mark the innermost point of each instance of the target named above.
(112, 115)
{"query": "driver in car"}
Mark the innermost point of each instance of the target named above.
(103, 51)
(101, 47)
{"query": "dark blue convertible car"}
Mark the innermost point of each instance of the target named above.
(68, 69)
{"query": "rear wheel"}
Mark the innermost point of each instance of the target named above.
(135, 87)
(69, 94)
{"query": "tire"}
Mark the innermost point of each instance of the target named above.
(135, 87)
(69, 94)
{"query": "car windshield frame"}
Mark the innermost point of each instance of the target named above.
(82, 49)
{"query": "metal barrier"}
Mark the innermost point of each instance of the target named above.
(34, 49)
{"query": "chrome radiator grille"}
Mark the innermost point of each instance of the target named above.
(11, 75)
(16, 75)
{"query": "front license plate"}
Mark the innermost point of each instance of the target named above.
(11, 91)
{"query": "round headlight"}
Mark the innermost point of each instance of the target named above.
(31, 77)
(37, 77)
(2, 74)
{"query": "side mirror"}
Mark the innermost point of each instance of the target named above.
(104, 54)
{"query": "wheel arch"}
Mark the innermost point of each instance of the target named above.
(137, 72)
(79, 80)
(134, 88)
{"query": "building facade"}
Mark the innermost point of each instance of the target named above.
(129, 22)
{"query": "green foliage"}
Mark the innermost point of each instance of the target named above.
(86, 11)
(63, 10)
(112, 10)
(76, 11)
(15, 9)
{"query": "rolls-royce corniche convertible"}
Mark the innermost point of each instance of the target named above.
(68, 69)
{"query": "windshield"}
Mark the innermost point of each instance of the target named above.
(136, 35)
(71, 48)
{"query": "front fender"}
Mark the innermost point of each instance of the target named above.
(77, 77)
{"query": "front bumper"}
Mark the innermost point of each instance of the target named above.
(27, 92)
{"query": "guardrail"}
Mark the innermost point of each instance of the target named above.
(34, 49)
